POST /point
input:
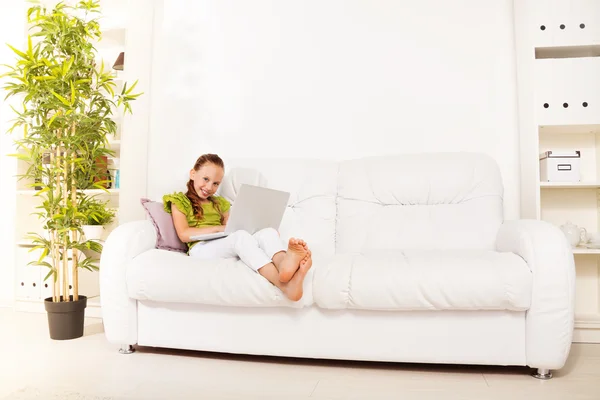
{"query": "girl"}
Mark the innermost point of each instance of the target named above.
(198, 212)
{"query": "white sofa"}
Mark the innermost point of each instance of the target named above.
(413, 262)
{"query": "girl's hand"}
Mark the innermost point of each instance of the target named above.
(221, 228)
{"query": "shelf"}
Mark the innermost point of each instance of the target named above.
(588, 320)
(584, 250)
(25, 243)
(569, 129)
(567, 51)
(115, 144)
(570, 185)
(94, 301)
(30, 192)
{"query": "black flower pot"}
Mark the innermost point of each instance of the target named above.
(65, 319)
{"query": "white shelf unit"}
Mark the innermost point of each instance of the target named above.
(558, 68)
(31, 288)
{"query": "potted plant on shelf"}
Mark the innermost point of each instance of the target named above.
(67, 105)
(97, 215)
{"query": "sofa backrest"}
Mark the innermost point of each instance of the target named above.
(312, 184)
(420, 201)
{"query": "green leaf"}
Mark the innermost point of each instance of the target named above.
(131, 88)
(42, 191)
(44, 78)
(47, 62)
(50, 273)
(36, 248)
(62, 99)
(46, 264)
(41, 264)
(53, 118)
(43, 255)
(94, 246)
(20, 156)
(108, 87)
(67, 65)
(20, 53)
(6, 74)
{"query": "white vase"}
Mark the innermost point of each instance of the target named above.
(575, 235)
(93, 232)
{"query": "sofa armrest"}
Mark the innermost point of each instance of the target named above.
(119, 311)
(550, 319)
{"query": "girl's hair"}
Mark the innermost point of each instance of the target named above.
(191, 192)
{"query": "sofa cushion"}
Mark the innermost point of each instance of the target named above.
(312, 185)
(166, 276)
(419, 201)
(166, 235)
(424, 280)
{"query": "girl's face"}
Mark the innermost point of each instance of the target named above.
(207, 179)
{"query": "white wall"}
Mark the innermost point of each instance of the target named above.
(332, 79)
(136, 126)
(11, 31)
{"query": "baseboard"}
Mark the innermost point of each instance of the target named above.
(6, 303)
(587, 328)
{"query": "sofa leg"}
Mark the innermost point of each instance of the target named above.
(126, 349)
(542, 374)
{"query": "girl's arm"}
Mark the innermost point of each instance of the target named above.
(183, 229)
(225, 218)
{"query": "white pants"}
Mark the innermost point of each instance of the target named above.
(254, 250)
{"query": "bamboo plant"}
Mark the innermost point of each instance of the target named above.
(68, 102)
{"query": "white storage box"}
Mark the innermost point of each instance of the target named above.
(561, 166)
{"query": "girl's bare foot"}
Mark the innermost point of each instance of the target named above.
(291, 261)
(293, 289)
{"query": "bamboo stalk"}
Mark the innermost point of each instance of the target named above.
(65, 270)
(65, 236)
(56, 261)
(75, 277)
(53, 245)
(57, 247)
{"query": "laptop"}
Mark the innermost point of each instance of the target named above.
(254, 208)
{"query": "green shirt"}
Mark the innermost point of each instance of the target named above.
(183, 203)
